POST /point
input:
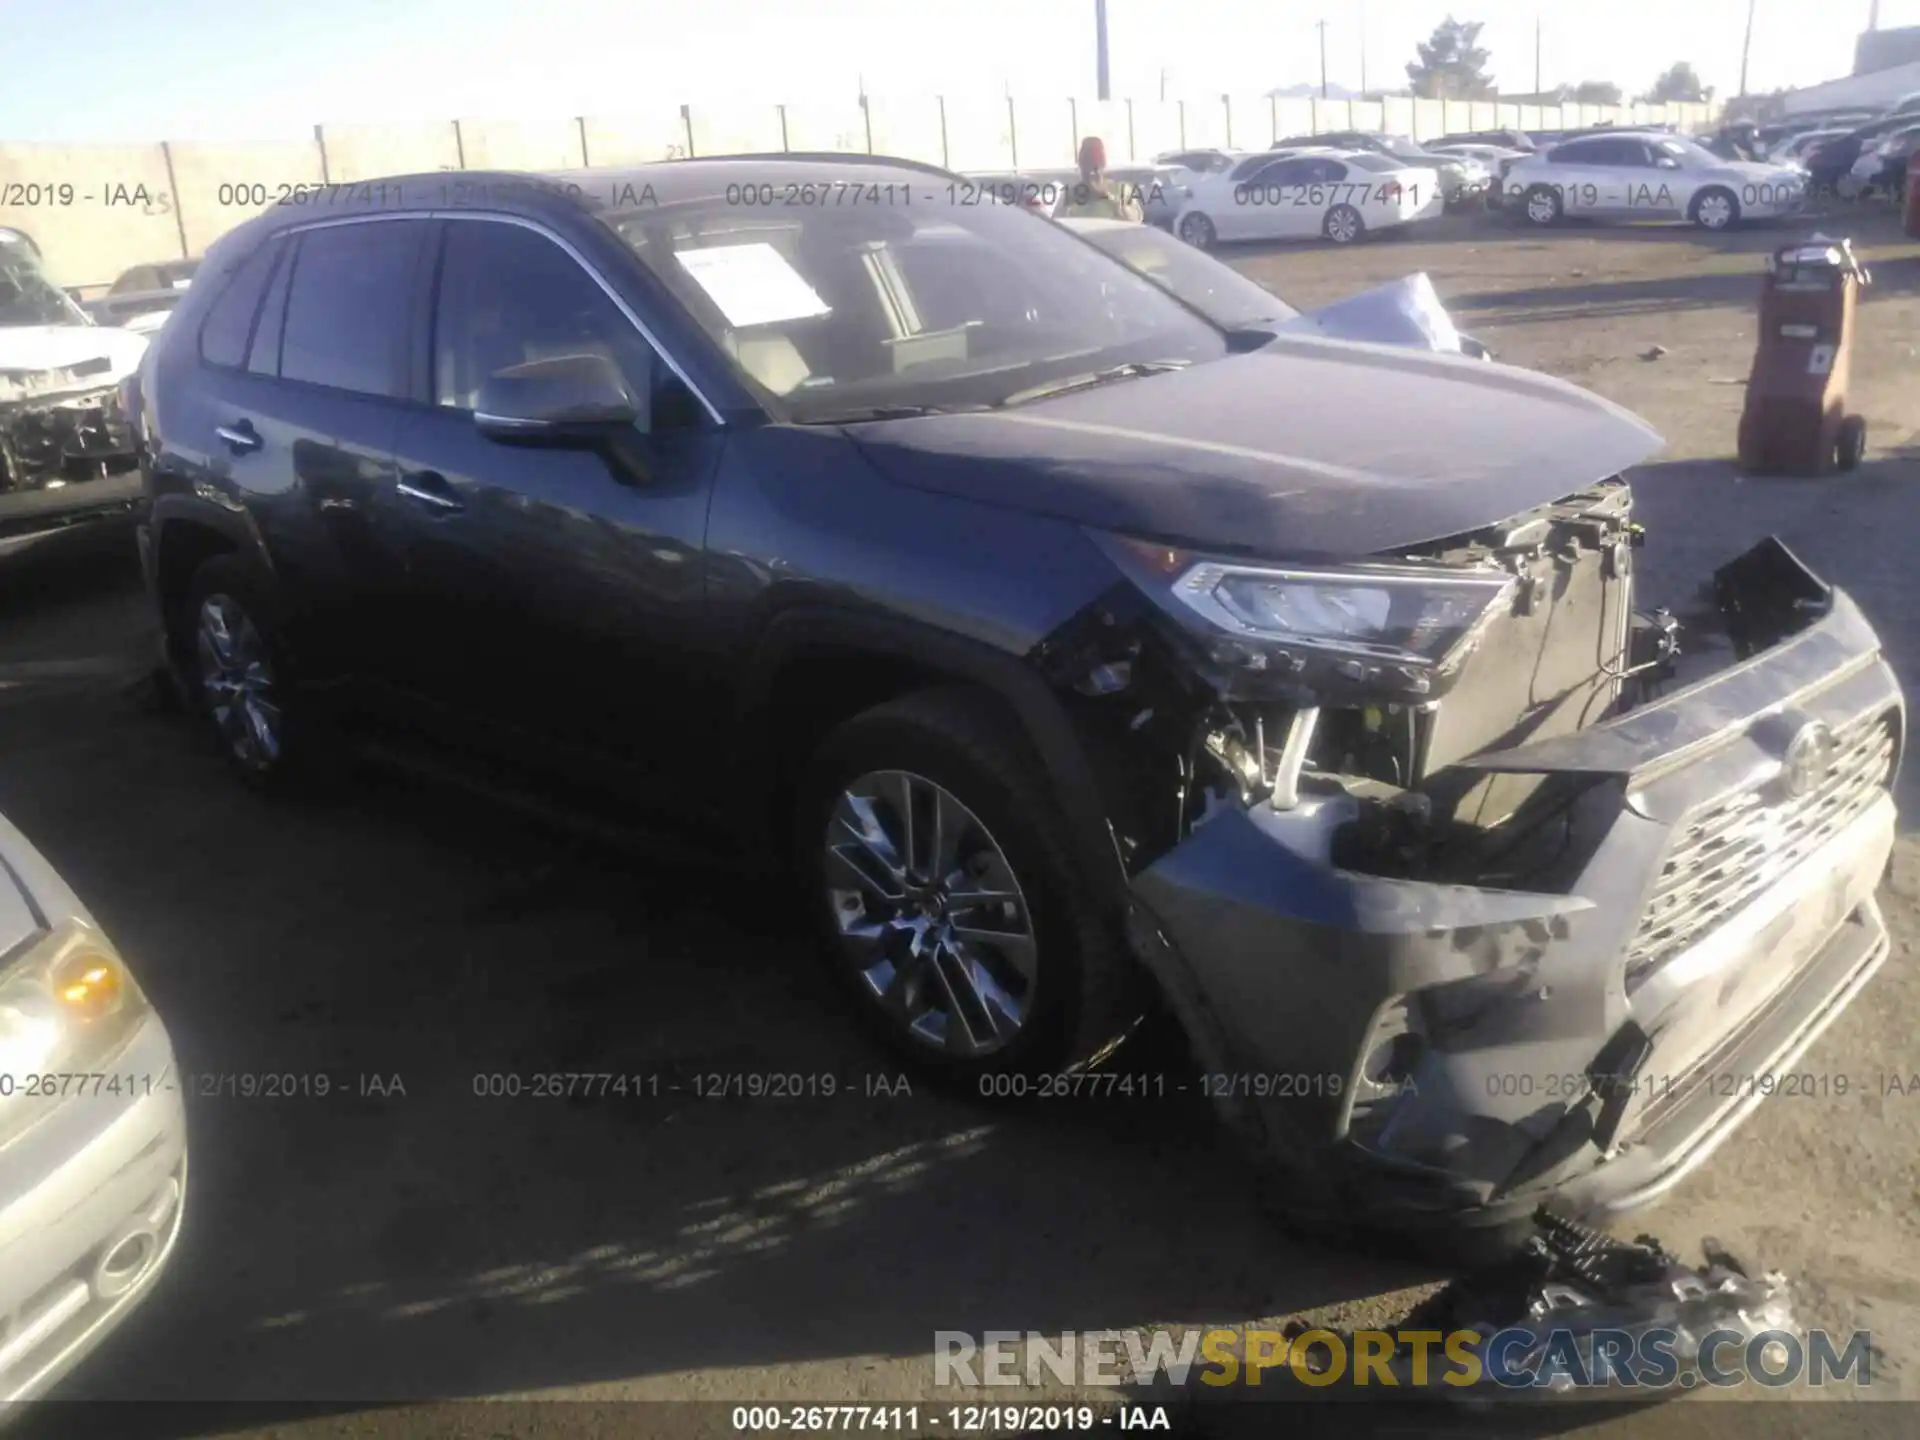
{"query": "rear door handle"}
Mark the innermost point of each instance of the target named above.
(240, 437)
(430, 489)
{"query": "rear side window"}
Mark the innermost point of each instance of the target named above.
(346, 314)
(263, 357)
(229, 323)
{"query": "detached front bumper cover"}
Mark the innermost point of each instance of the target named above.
(1446, 1051)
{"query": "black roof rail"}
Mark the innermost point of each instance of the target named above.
(854, 157)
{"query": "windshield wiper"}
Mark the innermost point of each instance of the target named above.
(887, 412)
(1125, 371)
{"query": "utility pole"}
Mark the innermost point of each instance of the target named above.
(1322, 27)
(1100, 43)
(1363, 49)
(1538, 88)
(1746, 46)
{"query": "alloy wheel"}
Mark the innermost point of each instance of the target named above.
(1343, 226)
(1541, 209)
(930, 915)
(236, 679)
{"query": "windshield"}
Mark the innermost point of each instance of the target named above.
(831, 312)
(1381, 163)
(1218, 291)
(27, 296)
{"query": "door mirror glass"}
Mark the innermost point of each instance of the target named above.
(1666, 162)
(578, 400)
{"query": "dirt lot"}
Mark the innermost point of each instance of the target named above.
(371, 1252)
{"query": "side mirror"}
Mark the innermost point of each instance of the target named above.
(1666, 162)
(579, 401)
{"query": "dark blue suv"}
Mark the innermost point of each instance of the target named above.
(1058, 638)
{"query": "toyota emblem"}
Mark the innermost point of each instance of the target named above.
(1809, 757)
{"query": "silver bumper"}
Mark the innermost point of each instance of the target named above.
(91, 1203)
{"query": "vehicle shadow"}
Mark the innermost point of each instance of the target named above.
(388, 1227)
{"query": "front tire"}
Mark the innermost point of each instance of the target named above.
(948, 897)
(1542, 206)
(1715, 208)
(1343, 225)
(238, 675)
(1197, 230)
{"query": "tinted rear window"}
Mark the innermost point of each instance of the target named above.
(229, 323)
(347, 305)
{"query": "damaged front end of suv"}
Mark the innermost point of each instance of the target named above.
(1461, 911)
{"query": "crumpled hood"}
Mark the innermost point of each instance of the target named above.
(50, 359)
(1305, 448)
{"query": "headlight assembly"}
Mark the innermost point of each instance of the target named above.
(68, 1005)
(1402, 629)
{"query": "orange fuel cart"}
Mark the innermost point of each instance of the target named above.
(1796, 420)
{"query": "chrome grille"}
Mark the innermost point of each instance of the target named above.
(1734, 848)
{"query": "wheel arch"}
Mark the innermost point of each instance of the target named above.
(186, 533)
(815, 666)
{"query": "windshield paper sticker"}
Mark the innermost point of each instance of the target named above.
(752, 284)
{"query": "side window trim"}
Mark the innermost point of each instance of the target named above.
(572, 251)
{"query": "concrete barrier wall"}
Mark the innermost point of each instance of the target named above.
(96, 210)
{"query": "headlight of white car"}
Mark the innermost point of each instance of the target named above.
(1419, 621)
(68, 1005)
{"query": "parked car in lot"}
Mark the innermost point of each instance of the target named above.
(1883, 165)
(1830, 162)
(66, 452)
(1201, 162)
(143, 297)
(1342, 196)
(1645, 176)
(1235, 303)
(1462, 181)
(1066, 643)
(1484, 139)
(1793, 148)
(93, 1159)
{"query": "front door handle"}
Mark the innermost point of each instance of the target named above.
(431, 490)
(240, 437)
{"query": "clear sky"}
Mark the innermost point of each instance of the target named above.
(270, 69)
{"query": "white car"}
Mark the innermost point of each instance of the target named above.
(1794, 147)
(1649, 176)
(93, 1160)
(1341, 195)
(1488, 157)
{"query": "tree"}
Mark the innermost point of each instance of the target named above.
(1757, 108)
(1451, 66)
(1595, 92)
(1678, 83)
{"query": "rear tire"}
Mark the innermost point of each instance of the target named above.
(1344, 226)
(239, 676)
(1038, 979)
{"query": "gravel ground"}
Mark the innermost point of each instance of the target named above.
(377, 1253)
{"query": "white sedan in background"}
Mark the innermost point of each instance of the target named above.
(1339, 194)
(1650, 176)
